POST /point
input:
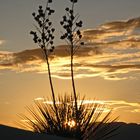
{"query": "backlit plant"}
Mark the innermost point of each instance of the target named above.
(93, 123)
(68, 116)
(72, 35)
(44, 38)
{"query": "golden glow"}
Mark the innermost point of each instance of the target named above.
(70, 123)
(108, 104)
(1, 42)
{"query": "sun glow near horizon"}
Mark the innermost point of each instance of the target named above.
(104, 107)
(106, 67)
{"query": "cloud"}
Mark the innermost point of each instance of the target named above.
(108, 66)
(1, 42)
(114, 31)
(116, 105)
(34, 60)
(118, 36)
(112, 51)
(21, 61)
(4, 102)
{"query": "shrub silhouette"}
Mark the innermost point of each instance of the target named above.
(43, 119)
(65, 116)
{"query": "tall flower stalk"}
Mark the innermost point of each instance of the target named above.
(44, 38)
(72, 36)
(70, 118)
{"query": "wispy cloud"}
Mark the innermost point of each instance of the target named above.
(3, 102)
(114, 31)
(116, 105)
(1, 42)
(124, 106)
(112, 51)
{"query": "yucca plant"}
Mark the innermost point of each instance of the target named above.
(44, 38)
(92, 123)
(66, 116)
(72, 35)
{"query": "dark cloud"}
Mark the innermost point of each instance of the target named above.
(63, 51)
(114, 31)
(102, 55)
(86, 64)
(122, 25)
(28, 55)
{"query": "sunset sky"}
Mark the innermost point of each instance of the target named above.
(107, 68)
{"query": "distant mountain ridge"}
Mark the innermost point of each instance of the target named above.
(129, 131)
(126, 132)
(10, 133)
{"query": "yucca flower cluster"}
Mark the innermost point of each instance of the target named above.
(75, 1)
(44, 36)
(72, 27)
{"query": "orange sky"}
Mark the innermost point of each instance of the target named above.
(107, 68)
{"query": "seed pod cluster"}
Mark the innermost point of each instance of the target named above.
(44, 34)
(74, 1)
(72, 26)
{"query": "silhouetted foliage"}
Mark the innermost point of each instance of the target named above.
(71, 24)
(92, 124)
(44, 37)
(72, 36)
(67, 117)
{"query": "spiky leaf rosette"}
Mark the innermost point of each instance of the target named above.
(93, 123)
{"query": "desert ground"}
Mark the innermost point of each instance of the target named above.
(126, 132)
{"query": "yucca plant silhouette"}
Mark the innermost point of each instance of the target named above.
(72, 36)
(93, 123)
(68, 116)
(44, 38)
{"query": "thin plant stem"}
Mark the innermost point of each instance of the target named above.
(51, 85)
